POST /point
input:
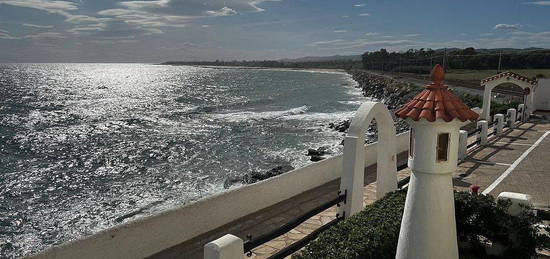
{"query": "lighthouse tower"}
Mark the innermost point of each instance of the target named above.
(428, 227)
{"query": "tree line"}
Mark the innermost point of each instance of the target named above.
(332, 64)
(413, 60)
(421, 60)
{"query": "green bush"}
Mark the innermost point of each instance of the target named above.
(373, 233)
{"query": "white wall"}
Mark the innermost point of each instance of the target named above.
(542, 93)
(147, 236)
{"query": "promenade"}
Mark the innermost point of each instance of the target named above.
(516, 161)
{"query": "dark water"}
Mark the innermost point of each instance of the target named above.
(84, 147)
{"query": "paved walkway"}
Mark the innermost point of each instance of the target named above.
(518, 161)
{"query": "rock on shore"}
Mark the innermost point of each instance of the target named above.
(256, 176)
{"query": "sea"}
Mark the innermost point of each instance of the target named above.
(84, 147)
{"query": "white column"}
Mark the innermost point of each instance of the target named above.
(483, 132)
(386, 161)
(352, 175)
(499, 124)
(428, 226)
(521, 112)
(462, 144)
(486, 108)
(226, 247)
(530, 103)
(511, 118)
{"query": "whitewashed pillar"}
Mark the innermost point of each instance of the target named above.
(499, 124)
(521, 112)
(483, 132)
(352, 176)
(486, 108)
(530, 103)
(462, 144)
(511, 113)
(226, 247)
(386, 161)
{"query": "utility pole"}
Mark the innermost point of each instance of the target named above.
(499, 61)
(445, 60)
(399, 71)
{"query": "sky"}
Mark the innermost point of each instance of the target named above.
(154, 31)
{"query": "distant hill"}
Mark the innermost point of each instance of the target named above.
(323, 59)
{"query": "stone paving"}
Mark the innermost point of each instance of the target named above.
(531, 175)
(482, 167)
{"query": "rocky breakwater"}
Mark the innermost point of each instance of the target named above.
(393, 93)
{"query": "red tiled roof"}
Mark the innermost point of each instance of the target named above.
(436, 102)
(509, 74)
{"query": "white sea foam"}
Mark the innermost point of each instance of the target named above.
(247, 116)
(321, 116)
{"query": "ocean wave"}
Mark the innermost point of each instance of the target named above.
(257, 116)
(321, 116)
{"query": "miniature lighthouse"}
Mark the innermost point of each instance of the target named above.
(428, 227)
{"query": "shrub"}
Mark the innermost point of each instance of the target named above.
(373, 232)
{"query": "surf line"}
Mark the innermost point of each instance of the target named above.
(515, 164)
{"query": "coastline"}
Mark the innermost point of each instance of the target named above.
(320, 70)
(393, 93)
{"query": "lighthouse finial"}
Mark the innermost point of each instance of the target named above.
(437, 75)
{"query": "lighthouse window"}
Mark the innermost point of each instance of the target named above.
(442, 146)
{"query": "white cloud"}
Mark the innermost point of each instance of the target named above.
(364, 14)
(177, 13)
(543, 3)
(205, 25)
(6, 35)
(195, 8)
(114, 30)
(224, 11)
(85, 19)
(503, 26)
(44, 5)
(359, 5)
(340, 31)
(345, 16)
(62, 8)
(327, 42)
(411, 35)
(372, 34)
(45, 35)
(38, 26)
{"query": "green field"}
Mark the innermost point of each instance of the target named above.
(477, 75)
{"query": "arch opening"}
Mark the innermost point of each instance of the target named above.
(356, 153)
(506, 90)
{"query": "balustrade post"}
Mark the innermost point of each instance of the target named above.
(483, 132)
(521, 112)
(226, 247)
(511, 113)
(499, 124)
(462, 144)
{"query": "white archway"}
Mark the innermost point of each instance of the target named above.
(507, 77)
(354, 156)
